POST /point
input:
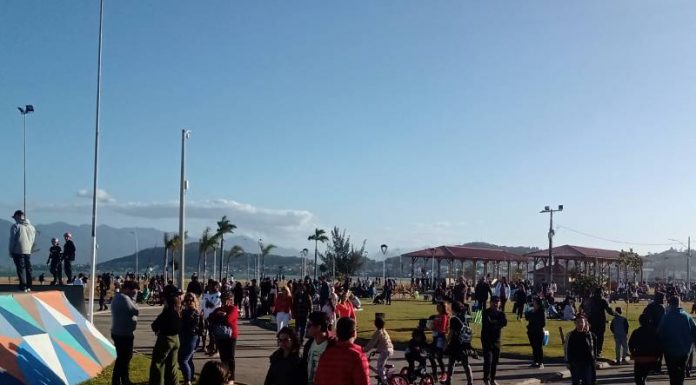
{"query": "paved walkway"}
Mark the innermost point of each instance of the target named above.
(256, 344)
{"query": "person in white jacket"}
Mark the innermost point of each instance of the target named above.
(22, 236)
(211, 301)
(502, 290)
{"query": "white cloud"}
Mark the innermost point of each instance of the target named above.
(102, 195)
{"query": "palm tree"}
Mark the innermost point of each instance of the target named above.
(318, 236)
(265, 250)
(234, 252)
(224, 227)
(208, 242)
(174, 243)
(202, 250)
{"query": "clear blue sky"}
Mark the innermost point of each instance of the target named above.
(409, 123)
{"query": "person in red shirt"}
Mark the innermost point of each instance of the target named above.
(344, 308)
(281, 307)
(343, 363)
(227, 315)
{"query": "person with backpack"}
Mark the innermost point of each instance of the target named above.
(459, 346)
(224, 329)
(645, 349)
(535, 331)
(440, 327)
(493, 322)
(189, 336)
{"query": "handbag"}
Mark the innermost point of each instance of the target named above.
(221, 331)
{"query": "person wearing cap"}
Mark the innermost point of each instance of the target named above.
(68, 256)
(493, 322)
(22, 236)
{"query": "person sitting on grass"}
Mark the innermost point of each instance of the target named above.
(381, 342)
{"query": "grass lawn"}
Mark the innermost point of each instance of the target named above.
(403, 315)
(139, 372)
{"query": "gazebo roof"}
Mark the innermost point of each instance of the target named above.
(465, 253)
(577, 253)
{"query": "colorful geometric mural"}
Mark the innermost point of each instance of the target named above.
(46, 341)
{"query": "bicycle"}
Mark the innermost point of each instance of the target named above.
(421, 372)
(393, 378)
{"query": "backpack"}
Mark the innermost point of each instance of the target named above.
(218, 327)
(465, 333)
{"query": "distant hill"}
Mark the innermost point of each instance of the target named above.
(113, 242)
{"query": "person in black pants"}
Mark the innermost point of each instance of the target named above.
(645, 349)
(597, 309)
(124, 318)
(493, 322)
(535, 331)
(68, 256)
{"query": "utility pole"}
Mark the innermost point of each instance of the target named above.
(688, 265)
(548, 209)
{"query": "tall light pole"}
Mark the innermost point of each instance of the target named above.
(304, 253)
(548, 209)
(688, 260)
(92, 277)
(135, 234)
(183, 187)
(258, 261)
(24, 111)
(384, 262)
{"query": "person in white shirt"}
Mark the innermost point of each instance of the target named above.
(317, 329)
(211, 301)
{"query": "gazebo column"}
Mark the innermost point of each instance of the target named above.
(508, 270)
(565, 276)
(474, 262)
(485, 269)
(439, 262)
(413, 269)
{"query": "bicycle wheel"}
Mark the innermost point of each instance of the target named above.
(397, 379)
(427, 380)
(404, 371)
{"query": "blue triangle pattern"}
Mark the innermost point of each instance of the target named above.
(23, 327)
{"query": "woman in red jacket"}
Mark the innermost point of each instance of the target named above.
(225, 330)
(282, 306)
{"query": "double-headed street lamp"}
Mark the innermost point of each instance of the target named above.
(688, 260)
(548, 209)
(24, 111)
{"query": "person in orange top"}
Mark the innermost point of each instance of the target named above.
(282, 306)
(344, 308)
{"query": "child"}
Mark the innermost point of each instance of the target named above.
(581, 354)
(459, 349)
(55, 254)
(416, 351)
(619, 327)
(382, 344)
(645, 349)
(245, 304)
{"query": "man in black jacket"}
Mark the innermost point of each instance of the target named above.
(645, 349)
(493, 322)
(581, 353)
(596, 315)
(481, 293)
(655, 311)
(68, 256)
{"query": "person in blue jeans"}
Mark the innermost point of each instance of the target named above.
(677, 332)
(581, 353)
(189, 336)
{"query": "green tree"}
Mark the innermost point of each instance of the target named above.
(318, 236)
(630, 261)
(224, 227)
(235, 252)
(265, 250)
(584, 285)
(342, 254)
(207, 242)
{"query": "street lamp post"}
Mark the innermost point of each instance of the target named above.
(304, 253)
(183, 187)
(548, 209)
(92, 280)
(137, 248)
(688, 260)
(24, 111)
(384, 262)
(258, 261)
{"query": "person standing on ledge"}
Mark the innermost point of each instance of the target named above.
(22, 235)
(68, 256)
